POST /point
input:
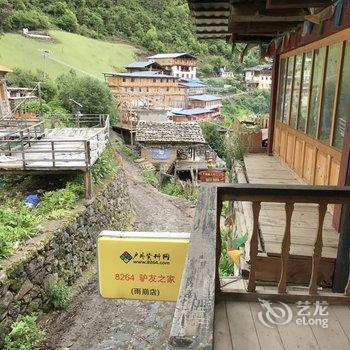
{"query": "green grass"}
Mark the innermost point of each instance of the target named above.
(78, 52)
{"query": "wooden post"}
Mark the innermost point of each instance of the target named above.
(254, 243)
(282, 285)
(88, 184)
(341, 218)
(316, 258)
(273, 104)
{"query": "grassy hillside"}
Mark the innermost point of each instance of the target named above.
(75, 51)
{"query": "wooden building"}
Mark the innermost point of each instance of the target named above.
(258, 77)
(214, 103)
(284, 199)
(181, 65)
(141, 66)
(160, 142)
(193, 88)
(194, 114)
(146, 89)
(5, 110)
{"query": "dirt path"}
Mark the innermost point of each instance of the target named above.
(93, 323)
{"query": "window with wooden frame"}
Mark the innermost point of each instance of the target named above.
(313, 94)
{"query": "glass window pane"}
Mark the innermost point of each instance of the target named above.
(329, 91)
(282, 81)
(343, 100)
(316, 90)
(305, 91)
(288, 93)
(296, 91)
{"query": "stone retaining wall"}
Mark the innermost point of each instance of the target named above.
(62, 250)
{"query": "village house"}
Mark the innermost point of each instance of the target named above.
(258, 77)
(211, 102)
(181, 65)
(194, 114)
(5, 109)
(193, 88)
(161, 142)
(141, 66)
(293, 202)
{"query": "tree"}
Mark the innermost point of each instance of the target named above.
(92, 94)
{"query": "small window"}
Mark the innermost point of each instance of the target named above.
(288, 96)
(154, 80)
(316, 91)
(124, 80)
(296, 91)
(132, 80)
(305, 88)
(281, 88)
(343, 100)
(331, 81)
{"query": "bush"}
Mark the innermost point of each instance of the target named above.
(150, 177)
(58, 294)
(182, 190)
(104, 166)
(214, 137)
(25, 335)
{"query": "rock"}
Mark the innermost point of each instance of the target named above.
(26, 287)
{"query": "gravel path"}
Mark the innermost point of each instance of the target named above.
(93, 323)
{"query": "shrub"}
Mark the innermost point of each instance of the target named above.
(25, 335)
(58, 294)
(226, 267)
(150, 177)
(104, 166)
(185, 190)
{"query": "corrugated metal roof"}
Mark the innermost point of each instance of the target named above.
(140, 64)
(193, 111)
(170, 55)
(146, 74)
(205, 98)
(192, 85)
(169, 133)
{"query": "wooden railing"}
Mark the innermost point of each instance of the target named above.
(289, 196)
(193, 321)
(29, 145)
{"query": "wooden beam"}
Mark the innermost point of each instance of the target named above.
(88, 184)
(192, 326)
(260, 27)
(342, 217)
(289, 4)
(273, 104)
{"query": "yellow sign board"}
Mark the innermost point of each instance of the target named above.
(141, 265)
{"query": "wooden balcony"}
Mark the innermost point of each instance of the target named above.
(213, 312)
(27, 146)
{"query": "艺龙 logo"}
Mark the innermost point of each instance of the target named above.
(126, 257)
(273, 314)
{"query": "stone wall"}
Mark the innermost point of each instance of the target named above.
(61, 250)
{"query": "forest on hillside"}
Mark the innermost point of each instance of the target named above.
(155, 25)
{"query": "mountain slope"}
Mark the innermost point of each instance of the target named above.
(69, 51)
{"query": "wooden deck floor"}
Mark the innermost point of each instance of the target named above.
(263, 169)
(69, 145)
(237, 326)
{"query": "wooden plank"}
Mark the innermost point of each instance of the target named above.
(242, 326)
(332, 337)
(222, 335)
(193, 320)
(269, 337)
(297, 337)
(298, 273)
(342, 313)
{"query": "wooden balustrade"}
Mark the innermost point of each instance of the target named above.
(290, 195)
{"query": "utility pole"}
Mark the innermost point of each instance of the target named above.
(40, 99)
